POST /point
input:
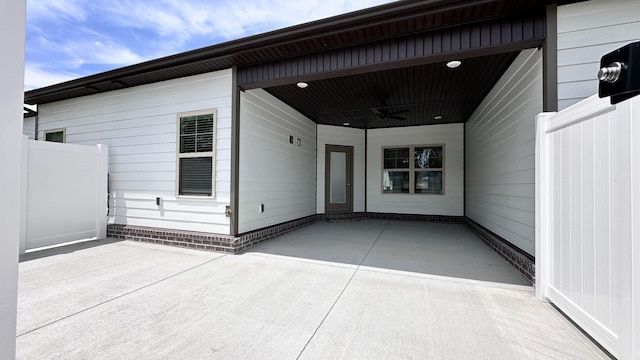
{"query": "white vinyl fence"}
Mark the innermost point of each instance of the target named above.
(588, 219)
(64, 194)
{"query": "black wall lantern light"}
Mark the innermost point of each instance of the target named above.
(619, 73)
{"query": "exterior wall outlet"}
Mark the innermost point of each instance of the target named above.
(260, 208)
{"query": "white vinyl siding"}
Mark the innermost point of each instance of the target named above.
(451, 203)
(586, 31)
(500, 164)
(139, 125)
(274, 172)
(345, 136)
(29, 127)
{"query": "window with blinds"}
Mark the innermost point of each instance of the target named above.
(196, 153)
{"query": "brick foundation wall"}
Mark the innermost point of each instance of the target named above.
(522, 261)
(205, 241)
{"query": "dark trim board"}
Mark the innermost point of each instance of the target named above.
(550, 62)
(235, 152)
(495, 36)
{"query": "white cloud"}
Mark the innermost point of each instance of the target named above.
(183, 20)
(56, 9)
(36, 77)
(88, 51)
(67, 39)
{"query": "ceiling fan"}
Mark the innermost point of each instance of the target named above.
(385, 114)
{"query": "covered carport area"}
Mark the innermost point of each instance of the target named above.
(382, 81)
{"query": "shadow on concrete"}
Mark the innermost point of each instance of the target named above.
(65, 249)
(450, 250)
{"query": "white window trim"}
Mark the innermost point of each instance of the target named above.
(412, 170)
(63, 130)
(211, 154)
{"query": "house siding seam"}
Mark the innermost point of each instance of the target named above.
(274, 172)
(139, 124)
(500, 164)
(587, 31)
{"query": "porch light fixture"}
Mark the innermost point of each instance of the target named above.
(454, 64)
(437, 117)
(346, 124)
(302, 85)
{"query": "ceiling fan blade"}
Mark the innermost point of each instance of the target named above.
(397, 112)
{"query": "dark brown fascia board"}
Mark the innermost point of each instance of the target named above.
(358, 19)
(27, 113)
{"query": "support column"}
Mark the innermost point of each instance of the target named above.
(12, 29)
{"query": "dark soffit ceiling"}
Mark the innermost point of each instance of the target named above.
(418, 93)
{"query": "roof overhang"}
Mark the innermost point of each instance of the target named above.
(360, 62)
(382, 22)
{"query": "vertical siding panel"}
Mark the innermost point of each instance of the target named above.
(565, 239)
(575, 213)
(602, 213)
(587, 216)
(592, 204)
(558, 216)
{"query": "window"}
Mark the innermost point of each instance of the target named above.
(196, 153)
(417, 169)
(55, 135)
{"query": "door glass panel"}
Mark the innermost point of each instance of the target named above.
(338, 173)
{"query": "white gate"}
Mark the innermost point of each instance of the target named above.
(588, 219)
(64, 193)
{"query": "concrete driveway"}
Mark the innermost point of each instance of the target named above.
(360, 290)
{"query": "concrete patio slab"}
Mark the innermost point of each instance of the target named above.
(61, 282)
(345, 290)
(392, 315)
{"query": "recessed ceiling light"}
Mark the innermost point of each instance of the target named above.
(454, 64)
(437, 117)
(346, 123)
(302, 85)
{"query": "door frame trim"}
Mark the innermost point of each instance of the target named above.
(327, 176)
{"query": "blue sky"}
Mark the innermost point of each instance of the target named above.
(68, 39)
